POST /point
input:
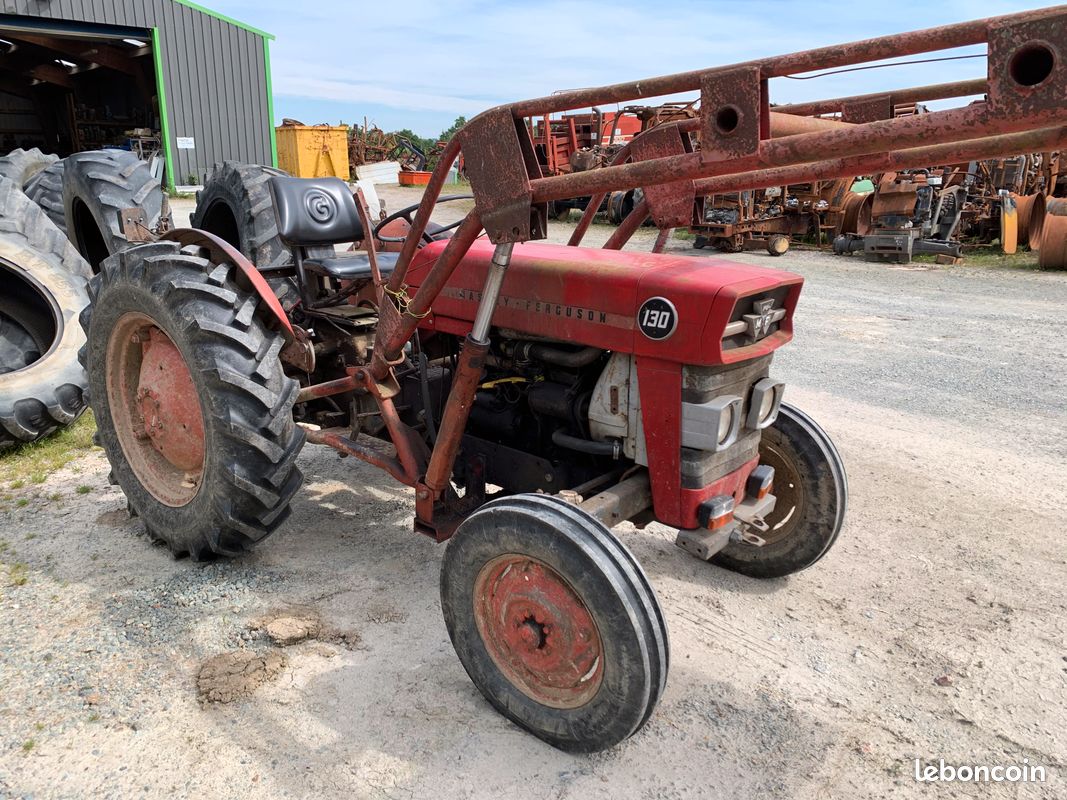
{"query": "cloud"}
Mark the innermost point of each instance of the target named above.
(434, 59)
(352, 92)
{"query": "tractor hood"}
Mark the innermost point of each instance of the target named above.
(673, 308)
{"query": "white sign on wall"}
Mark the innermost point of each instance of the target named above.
(186, 143)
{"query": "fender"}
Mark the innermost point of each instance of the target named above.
(247, 274)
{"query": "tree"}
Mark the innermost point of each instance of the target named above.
(448, 133)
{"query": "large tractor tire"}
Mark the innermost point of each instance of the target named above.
(42, 291)
(812, 494)
(97, 186)
(46, 190)
(236, 205)
(21, 165)
(555, 622)
(193, 409)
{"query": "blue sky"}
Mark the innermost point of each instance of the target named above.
(420, 63)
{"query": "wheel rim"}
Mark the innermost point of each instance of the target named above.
(538, 631)
(155, 409)
(30, 319)
(788, 492)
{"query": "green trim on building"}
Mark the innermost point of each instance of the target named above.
(224, 18)
(270, 104)
(164, 123)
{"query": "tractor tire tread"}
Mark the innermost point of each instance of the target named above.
(246, 403)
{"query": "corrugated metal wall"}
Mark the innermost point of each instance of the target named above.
(214, 75)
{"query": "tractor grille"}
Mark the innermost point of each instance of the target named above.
(755, 317)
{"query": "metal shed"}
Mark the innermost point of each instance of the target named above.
(207, 85)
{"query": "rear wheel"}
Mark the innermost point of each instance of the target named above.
(236, 205)
(99, 184)
(812, 492)
(554, 622)
(193, 409)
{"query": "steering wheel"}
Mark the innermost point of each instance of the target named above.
(405, 214)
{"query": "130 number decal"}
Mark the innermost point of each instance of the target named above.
(657, 318)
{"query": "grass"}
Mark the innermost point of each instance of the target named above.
(1027, 260)
(83, 489)
(35, 462)
(28, 745)
(18, 574)
(989, 258)
(463, 187)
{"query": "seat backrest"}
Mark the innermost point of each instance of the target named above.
(314, 211)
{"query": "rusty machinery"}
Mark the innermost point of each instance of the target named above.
(370, 144)
(944, 211)
(590, 140)
(531, 395)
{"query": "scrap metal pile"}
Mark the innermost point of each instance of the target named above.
(941, 209)
(371, 145)
(949, 210)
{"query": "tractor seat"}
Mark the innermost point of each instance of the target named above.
(350, 266)
(315, 211)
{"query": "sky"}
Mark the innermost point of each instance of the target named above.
(419, 64)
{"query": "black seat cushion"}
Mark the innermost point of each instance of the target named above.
(314, 211)
(351, 266)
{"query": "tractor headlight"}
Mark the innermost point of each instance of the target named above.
(713, 425)
(726, 425)
(764, 404)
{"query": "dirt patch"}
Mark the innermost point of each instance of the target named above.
(288, 628)
(235, 675)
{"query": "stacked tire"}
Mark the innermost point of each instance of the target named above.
(58, 221)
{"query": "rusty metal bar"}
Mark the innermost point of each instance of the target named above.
(918, 94)
(894, 46)
(454, 251)
(317, 390)
(457, 409)
(422, 216)
(781, 125)
(790, 125)
(932, 155)
(976, 121)
(622, 501)
(373, 451)
(628, 227)
(594, 202)
(661, 240)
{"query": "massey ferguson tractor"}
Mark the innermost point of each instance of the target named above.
(532, 395)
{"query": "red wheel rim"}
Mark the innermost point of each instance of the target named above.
(155, 408)
(538, 631)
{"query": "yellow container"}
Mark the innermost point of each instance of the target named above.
(313, 151)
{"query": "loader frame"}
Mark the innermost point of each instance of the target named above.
(1022, 112)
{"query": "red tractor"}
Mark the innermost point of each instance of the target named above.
(532, 395)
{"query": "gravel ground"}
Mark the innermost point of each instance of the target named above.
(934, 629)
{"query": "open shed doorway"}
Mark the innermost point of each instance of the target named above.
(69, 87)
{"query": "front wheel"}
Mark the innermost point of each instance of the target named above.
(811, 490)
(555, 622)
